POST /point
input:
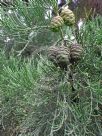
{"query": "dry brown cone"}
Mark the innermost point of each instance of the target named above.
(75, 52)
(56, 23)
(52, 53)
(59, 56)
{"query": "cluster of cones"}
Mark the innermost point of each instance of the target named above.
(62, 56)
(66, 16)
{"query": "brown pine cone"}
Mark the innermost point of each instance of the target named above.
(59, 56)
(76, 52)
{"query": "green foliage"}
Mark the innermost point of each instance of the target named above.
(37, 96)
(16, 78)
(91, 32)
(27, 23)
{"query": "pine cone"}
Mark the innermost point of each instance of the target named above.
(63, 55)
(68, 17)
(76, 52)
(59, 56)
(52, 53)
(56, 23)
